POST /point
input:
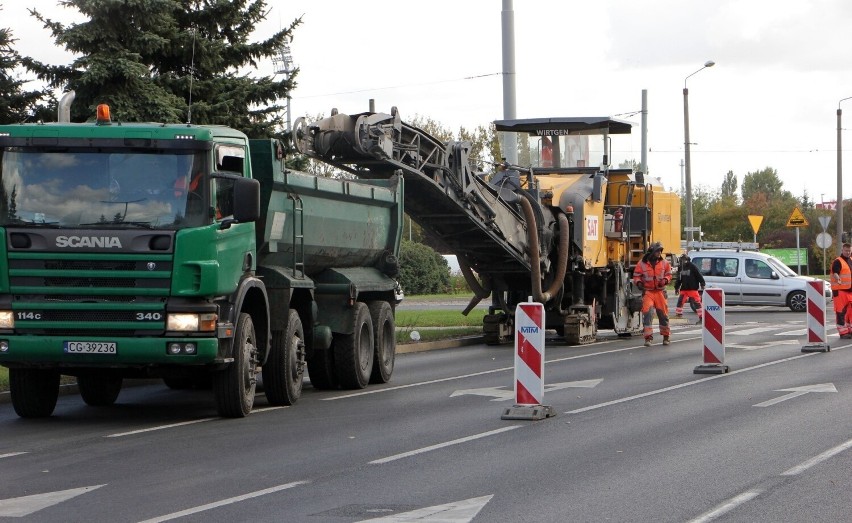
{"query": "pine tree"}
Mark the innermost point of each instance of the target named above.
(148, 59)
(17, 105)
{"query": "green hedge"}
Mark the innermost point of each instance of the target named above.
(422, 270)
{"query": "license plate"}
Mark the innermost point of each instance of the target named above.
(89, 347)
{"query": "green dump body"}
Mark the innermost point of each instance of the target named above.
(311, 223)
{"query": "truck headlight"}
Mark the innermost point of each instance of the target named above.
(7, 320)
(191, 322)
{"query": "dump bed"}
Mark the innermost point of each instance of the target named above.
(315, 223)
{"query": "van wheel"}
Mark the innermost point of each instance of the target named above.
(797, 301)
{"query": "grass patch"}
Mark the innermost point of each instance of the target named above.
(420, 298)
(437, 324)
(439, 318)
(403, 335)
(4, 379)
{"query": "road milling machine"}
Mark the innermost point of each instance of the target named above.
(557, 228)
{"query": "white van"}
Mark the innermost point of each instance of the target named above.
(753, 278)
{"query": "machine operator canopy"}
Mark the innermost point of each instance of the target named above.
(570, 142)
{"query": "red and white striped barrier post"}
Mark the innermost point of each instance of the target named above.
(817, 338)
(713, 333)
(529, 364)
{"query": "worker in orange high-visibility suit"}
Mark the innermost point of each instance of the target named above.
(652, 274)
(841, 291)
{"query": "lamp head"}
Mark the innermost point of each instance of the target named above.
(709, 63)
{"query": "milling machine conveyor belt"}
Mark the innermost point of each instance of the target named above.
(479, 222)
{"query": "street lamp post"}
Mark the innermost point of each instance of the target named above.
(688, 172)
(839, 180)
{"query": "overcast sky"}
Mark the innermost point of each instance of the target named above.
(770, 101)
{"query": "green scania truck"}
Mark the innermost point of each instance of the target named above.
(188, 253)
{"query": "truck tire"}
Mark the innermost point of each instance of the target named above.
(99, 390)
(322, 370)
(285, 367)
(384, 332)
(235, 386)
(34, 391)
(353, 353)
(797, 301)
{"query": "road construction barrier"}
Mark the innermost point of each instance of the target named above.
(817, 337)
(713, 333)
(529, 364)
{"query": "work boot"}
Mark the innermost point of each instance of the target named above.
(666, 340)
(842, 337)
(648, 341)
(700, 321)
(678, 315)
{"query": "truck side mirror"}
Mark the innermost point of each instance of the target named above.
(246, 200)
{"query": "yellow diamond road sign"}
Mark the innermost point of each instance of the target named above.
(797, 219)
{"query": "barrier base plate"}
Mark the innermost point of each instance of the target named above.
(528, 412)
(816, 347)
(711, 368)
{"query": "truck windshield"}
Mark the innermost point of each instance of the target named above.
(97, 188)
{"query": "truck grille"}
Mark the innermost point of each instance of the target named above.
(86, 295)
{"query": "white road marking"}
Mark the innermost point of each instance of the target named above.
(797, 332)
(183, 423)
(687, 384)
(26, 505)
(10, 454)
(443, 445)
(795, 392)
(222, 503)
(502, 394)
(798, 469)
(749, 332)
(502, 369)
(159, 427)
(726, 507)
(457, 512)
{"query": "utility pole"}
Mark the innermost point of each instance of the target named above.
(283, 64)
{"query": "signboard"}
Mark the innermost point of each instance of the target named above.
(824, 221)
(797, 219)
(692, 229)
(755, 221)
(592, 228)
(788, 256)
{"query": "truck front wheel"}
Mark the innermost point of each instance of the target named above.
(34, 391)
(285, 368)
(98, 390)
(353, 353)
(234, 387)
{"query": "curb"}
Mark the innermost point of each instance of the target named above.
(451, 343)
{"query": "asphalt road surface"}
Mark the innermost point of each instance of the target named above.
(637, 437)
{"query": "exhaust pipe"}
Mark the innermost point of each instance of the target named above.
(64, 115)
